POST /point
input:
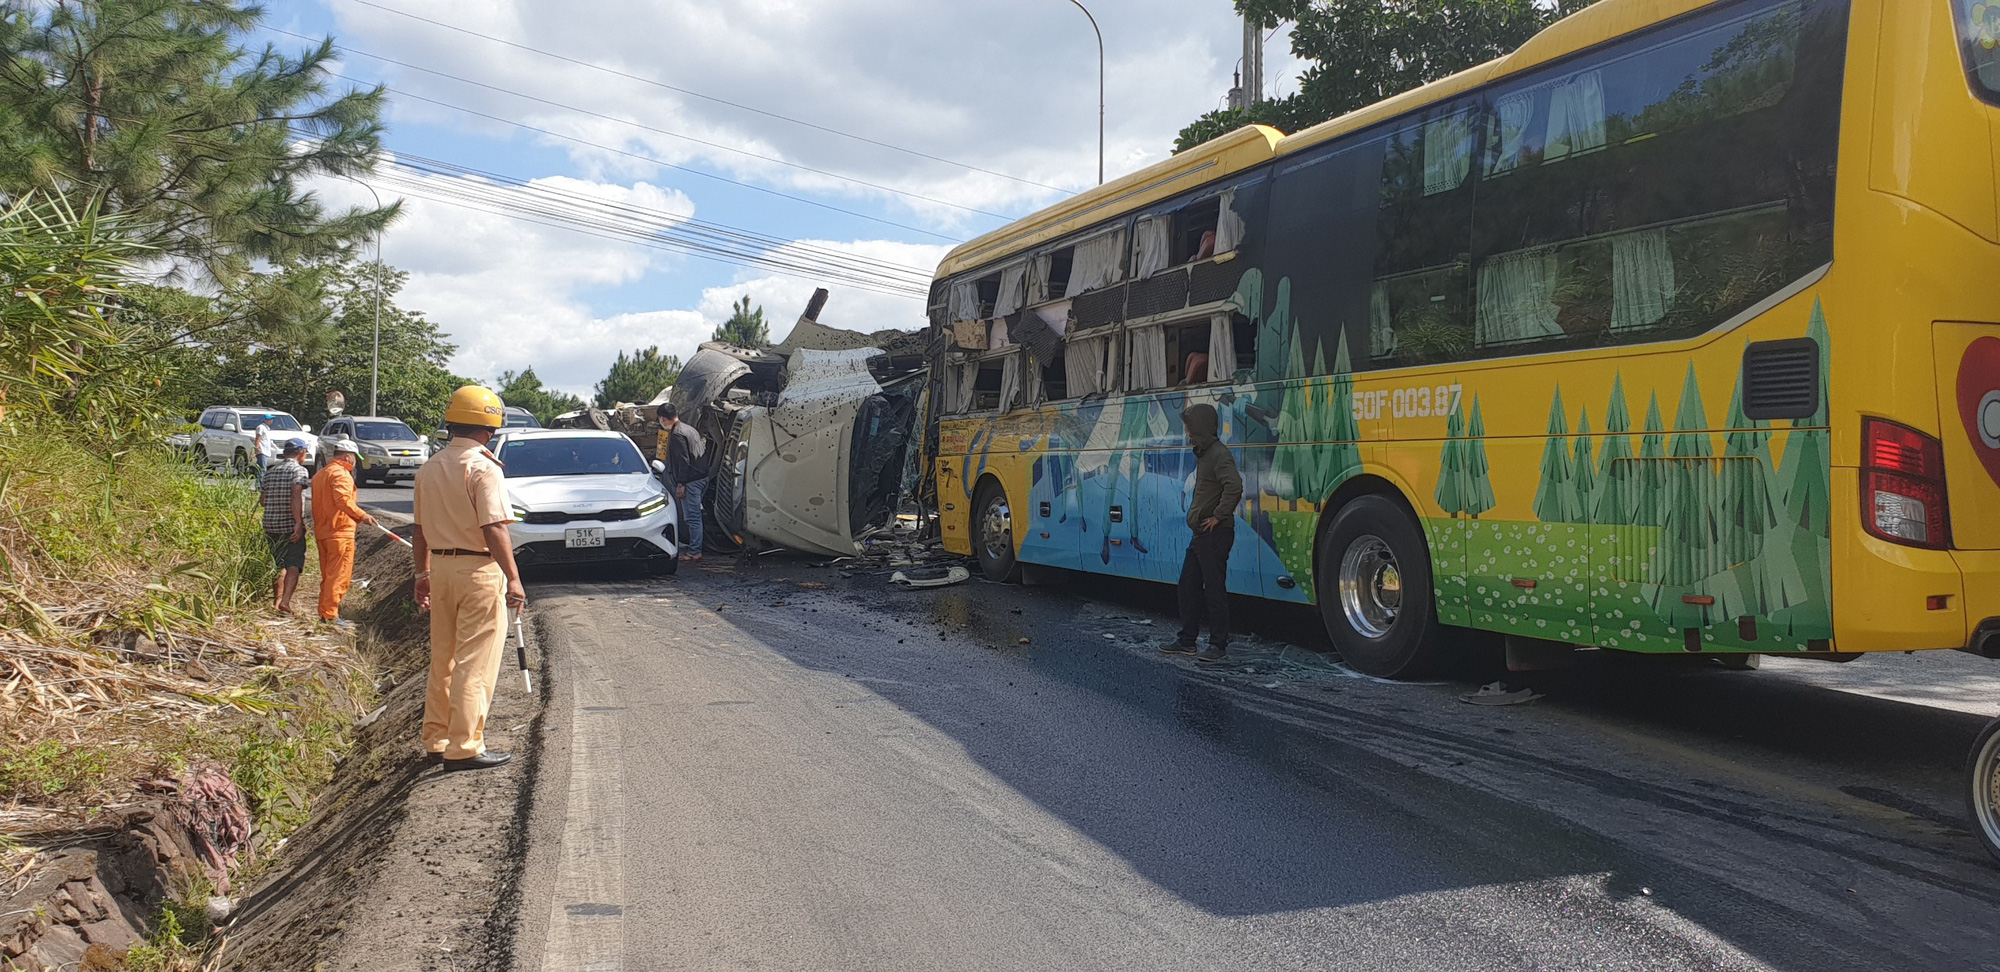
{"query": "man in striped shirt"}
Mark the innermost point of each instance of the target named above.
(283, 496)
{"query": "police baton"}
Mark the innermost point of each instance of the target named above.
(521, 652)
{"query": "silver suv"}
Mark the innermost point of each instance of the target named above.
(228, 436)
(389, 450)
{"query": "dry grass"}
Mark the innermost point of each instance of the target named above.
(135, 642)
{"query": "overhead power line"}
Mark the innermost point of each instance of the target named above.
(524, 126)
(608, 219)
(650, 128)
(705, 97)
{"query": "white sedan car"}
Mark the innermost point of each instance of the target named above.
(585, 496)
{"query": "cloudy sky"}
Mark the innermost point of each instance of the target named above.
(912, 125)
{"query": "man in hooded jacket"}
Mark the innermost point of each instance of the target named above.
(1218, 490)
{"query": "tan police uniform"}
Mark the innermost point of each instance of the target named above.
(460, 490)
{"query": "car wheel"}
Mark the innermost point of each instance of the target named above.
(1373, 578)
(241, 464)
(201, 455)
(993, 534)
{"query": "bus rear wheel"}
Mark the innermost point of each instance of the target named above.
(1373, 578)
(1982, 796)
(993, 534)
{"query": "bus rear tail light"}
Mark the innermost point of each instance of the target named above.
(1902, 485)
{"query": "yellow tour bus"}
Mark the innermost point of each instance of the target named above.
(1675, 330)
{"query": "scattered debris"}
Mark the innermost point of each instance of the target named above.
(931, 576)
(1496, 693)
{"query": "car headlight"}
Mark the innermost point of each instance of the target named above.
(654, 505)
(369, 448)
(520, 512)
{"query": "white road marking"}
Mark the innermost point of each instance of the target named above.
(586, 912)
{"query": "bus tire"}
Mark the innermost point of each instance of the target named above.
(1982, 788)
(993, 534)
(1373, 580)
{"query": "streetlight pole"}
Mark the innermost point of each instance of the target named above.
(375, 369)
(1100, 88)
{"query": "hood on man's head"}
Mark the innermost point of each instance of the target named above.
(1201, 422)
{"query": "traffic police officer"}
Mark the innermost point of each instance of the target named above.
(466, 578)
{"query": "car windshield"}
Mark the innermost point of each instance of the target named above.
(383, 432)
(521, 420)
(526, 457)
(278, 421)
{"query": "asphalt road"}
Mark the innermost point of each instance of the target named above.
(774, 766)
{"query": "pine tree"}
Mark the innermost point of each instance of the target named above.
(1555, 494)
(1803, 538)
(1479, 495)
(639, 377)
(1451, 485)
(1293, 433)
(1343, 459)
(1650, 507)
(1747, 516)
(1618, 479)
(1688, 541)
(745, 328)
(169, 117)
(1583, 470)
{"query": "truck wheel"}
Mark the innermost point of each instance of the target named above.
(1373, 578)
(993, 534)
(1982, 794)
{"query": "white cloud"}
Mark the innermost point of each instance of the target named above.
(1009, 87)
(514, 295)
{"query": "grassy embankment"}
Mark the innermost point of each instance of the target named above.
(136, 643)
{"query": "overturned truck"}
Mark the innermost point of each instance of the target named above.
(810, 441)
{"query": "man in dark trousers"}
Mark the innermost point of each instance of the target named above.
(1218, 490)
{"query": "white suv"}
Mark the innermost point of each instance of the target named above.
(228, 436)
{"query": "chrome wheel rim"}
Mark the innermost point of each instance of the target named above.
(996, 529)
(1371, 586)
(1986, 790)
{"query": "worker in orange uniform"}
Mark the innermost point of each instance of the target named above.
(335, 513)
(466, 579)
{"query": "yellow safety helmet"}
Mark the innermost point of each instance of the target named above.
(473, 405)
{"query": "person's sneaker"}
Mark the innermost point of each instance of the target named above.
(1213, 654)
(1177, 648)
(485, 760)
(340, 623)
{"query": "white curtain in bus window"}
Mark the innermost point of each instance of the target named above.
(965, 391)
(1083, 364)
(964, 303)
(1013, 284)
(1511, 117)
(1147, 358)
(1151, 243)
(1010, 381)
(1096, 263)
(1228, 226)
(1576, 116)
(1381, 327)
(1038, 279)
(1447, 153)
(1514, 298)
(1642, 279)
(1221, 348)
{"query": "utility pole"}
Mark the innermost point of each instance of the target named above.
(1252, 81)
